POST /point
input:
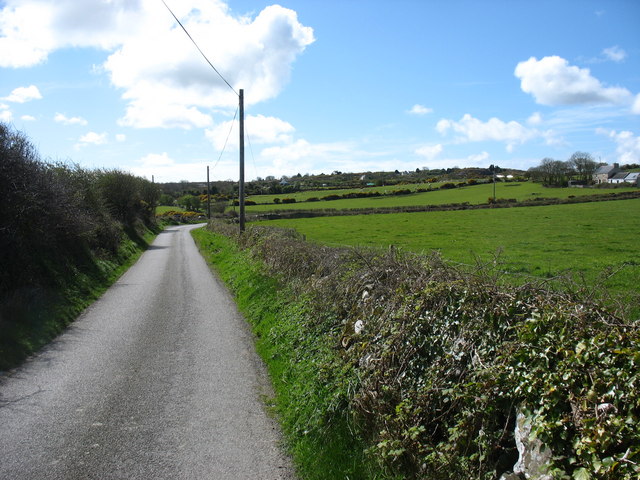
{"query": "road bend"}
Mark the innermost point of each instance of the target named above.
(158, 379)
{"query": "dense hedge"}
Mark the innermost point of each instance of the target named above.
(431, 363)
(52, 213)
(60, 225)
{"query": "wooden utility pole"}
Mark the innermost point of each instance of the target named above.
(241, 186)
(208, 196)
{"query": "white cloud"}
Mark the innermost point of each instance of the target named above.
(429, 151)
(28, 118)
(303, 156)
(5, 113)
(474, 160)
(258, 128)
(152, 112)
(615, 53)
(161, 71)
(552, 81)
(163, 77)
(535, 119)
(635, 108)
(63, 119)
(23, 94)
(418, 109)
(121, 137)
(92, 138)
(165, 169)
(473, 130)
(628, 145)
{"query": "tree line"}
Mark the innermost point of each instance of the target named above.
(557, 173)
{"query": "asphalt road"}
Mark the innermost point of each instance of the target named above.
(158, 379)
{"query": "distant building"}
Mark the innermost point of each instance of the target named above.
(604, 173)
(633, 178)
(619, 178)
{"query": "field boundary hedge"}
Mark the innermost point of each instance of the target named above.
(499, 203)
(428, 365)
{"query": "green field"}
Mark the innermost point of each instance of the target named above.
(164, 208)
(545, 241)
(475, 194)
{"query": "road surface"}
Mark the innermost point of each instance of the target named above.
(158, 379)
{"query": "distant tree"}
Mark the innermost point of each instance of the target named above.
(166, 199)
(189, 202)
(584, 166)
(551, 172)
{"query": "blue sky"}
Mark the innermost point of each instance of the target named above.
(349, 85)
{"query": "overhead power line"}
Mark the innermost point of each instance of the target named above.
(228, 135)
(201, 52)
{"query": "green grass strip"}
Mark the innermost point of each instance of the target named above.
(31, 318)
(307, 385)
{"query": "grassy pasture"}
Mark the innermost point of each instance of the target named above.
(165, 208)
(584, 239)
(475, 194)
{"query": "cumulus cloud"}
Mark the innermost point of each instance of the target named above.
(28, 118)
(470, 129)
(635, 108)
(92, 138)
(161, 71)
(614, 53)
(535, 119)
(5, 113)
(258, 128)
(628, 144)
(474, 160)
(164, 79)
(23, 94)
(166, 169)
(63, 119)
(418, 109)
(429, 151)
(552, 81)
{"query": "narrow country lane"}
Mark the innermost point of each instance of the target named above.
(158, 379)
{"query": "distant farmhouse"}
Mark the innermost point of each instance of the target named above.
(606, 172)
(613, 174)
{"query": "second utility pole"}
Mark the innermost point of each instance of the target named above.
(241, 186)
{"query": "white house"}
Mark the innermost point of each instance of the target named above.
(619, 178)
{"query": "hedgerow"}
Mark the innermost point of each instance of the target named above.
(60, 225)
(431, 364)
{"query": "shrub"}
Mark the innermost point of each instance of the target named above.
(431, 363)
(331, 197)
(448, 185)
(288, 200)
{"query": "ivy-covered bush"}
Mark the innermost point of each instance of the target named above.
(433, 363)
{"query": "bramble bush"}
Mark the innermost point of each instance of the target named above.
(431, 363)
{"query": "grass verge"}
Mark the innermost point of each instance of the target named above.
(320, 437)
(31, 317)
(394, 365)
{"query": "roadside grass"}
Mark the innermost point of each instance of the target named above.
(420, 368)
(587, 240)
(35, 316)
(473, 194)
(160, 209)
(292, 349)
